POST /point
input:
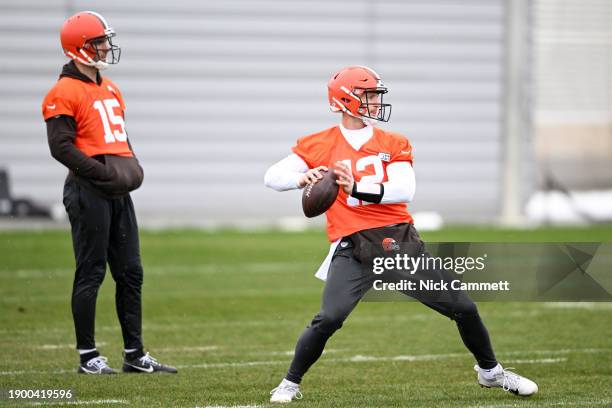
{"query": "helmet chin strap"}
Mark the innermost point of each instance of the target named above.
(86, 59)
(342, 108)
(101, 66)
(369, 121)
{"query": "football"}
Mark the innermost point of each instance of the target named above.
(318, 197)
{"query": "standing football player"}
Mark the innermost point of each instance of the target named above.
(84, 113)
(376, 179)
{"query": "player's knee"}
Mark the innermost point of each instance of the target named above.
(327, 322)
(90, 274)
(128, 273)
(86, 287)
(464, 309)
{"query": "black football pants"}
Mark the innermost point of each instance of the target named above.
(104, 230)
(347, 283)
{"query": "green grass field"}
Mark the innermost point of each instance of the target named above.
(227, 307)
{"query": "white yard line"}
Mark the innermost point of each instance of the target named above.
(553, 359)
(208, 325)
(230, 406)
(158, 327)
(537, 361)
(64, 346)
(559, 351)
(187, 349)
(579, 305)
(224, 350)
(236, 364)
(170, 270)
(419, 357)
(290, 353)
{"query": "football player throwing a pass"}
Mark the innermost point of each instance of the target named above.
(376, 179)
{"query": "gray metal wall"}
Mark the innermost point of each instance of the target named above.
(574, 64)
(218, 91)
(573, 73)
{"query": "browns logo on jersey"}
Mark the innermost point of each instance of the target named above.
(98, 111)
(368, 164)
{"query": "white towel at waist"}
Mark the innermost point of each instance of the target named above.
(324, 268)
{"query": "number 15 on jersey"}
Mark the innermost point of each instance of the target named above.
(106, 110)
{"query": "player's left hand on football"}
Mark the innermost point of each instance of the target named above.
(345, 177)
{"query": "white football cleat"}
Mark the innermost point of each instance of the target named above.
(507, 380)
(286, 391)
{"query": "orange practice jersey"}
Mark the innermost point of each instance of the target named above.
(97, 110)
(368, 164)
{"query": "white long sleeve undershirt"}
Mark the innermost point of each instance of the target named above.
(400, 187)
(286, 174)
(401, 184)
